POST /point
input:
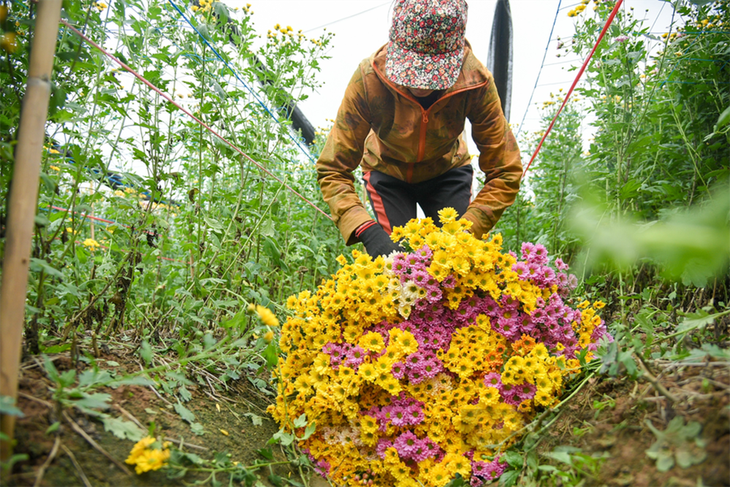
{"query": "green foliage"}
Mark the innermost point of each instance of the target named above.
(631, 188)
(190, 230)
(651, 185)
(122, 429)
(7, 406)
(679, 442)
(688, 245)
(543, 205)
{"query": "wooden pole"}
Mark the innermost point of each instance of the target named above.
(22, 204)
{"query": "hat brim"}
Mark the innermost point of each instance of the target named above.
(423, 71)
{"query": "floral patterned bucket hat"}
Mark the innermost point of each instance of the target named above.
(426, 48)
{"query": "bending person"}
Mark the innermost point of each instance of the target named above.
(402, 118)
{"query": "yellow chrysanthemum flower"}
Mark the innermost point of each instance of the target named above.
(266, 316)
(146, 458)
(91, 244)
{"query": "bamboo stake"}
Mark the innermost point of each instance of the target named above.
(23, 202)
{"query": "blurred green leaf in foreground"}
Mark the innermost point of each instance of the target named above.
(688, 244)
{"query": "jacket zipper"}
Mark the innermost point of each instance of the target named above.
(424, 118)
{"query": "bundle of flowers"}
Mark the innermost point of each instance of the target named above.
(430, 362)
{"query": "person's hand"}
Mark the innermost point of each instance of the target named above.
(377, 242)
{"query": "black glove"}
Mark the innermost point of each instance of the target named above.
(377, 242)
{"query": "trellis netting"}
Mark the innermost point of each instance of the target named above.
(429, 363)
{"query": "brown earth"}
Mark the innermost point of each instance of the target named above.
(606, 419)
(219, 412)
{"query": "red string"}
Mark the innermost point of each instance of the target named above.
(203, 124)
(577, 78)
(90, 217)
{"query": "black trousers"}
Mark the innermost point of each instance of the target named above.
(394, 201)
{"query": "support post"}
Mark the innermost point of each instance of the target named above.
(22, 205)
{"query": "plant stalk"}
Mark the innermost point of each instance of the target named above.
(23, 202)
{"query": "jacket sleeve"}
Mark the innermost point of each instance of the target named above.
(499, 160)
(341, 155)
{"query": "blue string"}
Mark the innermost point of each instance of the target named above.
(191, 56)
(233, 71)
(569, 6)
(702, 32)
(529, 102)
(700, 59)
(696, 82)
(677, 65)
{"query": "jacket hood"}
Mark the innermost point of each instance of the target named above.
(473, 72)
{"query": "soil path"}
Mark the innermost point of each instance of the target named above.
(608, 421)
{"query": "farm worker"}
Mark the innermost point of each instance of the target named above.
(402, 118)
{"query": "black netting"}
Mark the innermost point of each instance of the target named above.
(499, 60)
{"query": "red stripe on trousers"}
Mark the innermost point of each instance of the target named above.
(377, 204)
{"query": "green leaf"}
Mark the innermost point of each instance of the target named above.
(221, 11)
(176, 376)
(271, 355)
(275, 480)
(124, 430)
(133, 381)
(50, 369)
(301, 421)
(98, 400)
(283, 438)
(213, 223)
(513, 459)
(53, 428)
(309, 431)
(184, 394)
(272, 250)
(691, 456)
(266, 453)
(89, 377)
(678, 441)
(184, 412)
(68, 378)
(560, 456)
(509, 478)
(197, 428)
(145, 351)
(665, 461)
(209, 341)
(20, 457)
(193, 458)
(698, 320)
(255, 419)
(723, 120)
(457, 482)
(42, 220)
(237, 321)
(37, 265)
(217, 88)
(7, 406)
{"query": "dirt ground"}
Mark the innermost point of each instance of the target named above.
(216, 411)
(607, 418)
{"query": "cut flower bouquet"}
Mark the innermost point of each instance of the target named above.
(429, 363)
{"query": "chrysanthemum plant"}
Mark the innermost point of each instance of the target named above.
(429, 363)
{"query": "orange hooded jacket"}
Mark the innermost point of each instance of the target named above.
(381, 126)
